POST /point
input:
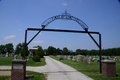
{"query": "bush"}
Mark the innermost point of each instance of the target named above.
(40, 52)
(61, 58)
(36, 58)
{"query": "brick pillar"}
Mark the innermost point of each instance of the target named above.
(18, 71)
(109, 68)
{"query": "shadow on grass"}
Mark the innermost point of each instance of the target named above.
(28, 77)
(117, 75)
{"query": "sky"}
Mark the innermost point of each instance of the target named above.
(101, 16)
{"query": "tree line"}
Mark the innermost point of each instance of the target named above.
(108, 52)
(57, 51)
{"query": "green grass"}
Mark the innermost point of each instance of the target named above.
(7, 61)
(29, 75)
(32, 63)
(91, 70)
(4, 77)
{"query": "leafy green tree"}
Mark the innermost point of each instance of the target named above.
(65, 51)
(2, 49)
(59, 51)
(51, 50)
(78, 51)
(22, 52)
(40, 52)
(9, 48)
(18, 48)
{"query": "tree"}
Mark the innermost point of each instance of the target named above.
(51, 50)
(65, 51)
(18, 48)
(22, 52)
(78, 51)
(59, 51)
(40, 52)
(2, 49)
(9, 48)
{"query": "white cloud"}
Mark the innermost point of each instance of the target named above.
(19, 29)
(65, 4)
(37, 42)
(9, 37)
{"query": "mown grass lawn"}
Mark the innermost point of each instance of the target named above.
(91, 70)
(29, 76)
(30, 62)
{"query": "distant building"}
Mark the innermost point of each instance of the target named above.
(33, 50)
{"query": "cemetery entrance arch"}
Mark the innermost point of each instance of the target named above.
(68, 17)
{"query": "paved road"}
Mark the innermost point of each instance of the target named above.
(59, 71)
(56, 71)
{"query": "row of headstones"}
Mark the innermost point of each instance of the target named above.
(15, 56)
(6, 55)
(93, 58)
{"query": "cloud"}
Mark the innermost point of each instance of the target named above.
(9, 37)
(19, 29)
(65, 4)
(37, 42)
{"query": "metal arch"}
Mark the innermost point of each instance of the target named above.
(65, 16)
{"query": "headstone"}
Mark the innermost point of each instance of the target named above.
(85, 60)
(65, 57)
(73, 58)
(78, 58)
(15, 57)
(93, 59)
(7, 54)
(98, 61)
(68, 57)
(90, 61)
(81, 60)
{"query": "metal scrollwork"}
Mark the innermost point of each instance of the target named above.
(65, 16)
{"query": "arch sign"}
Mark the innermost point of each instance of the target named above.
(65, 16)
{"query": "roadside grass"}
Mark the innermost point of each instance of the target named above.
(91, 70)
(29, 76)
(30, 62)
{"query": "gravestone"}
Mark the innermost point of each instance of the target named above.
(73, 58)
(98, 60)
(65, 57)
(68, 57)
(15, 57)
(90, 61)
(7, 55)
(85, 60)
(1, 55)
(81, 60)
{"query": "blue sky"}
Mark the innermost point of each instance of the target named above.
(100, 15)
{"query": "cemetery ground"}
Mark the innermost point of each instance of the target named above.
(30, 74)
(30, 62)
(91, 70)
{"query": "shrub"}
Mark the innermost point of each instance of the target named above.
(36, 58)
(61, 58)
(40, 52)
